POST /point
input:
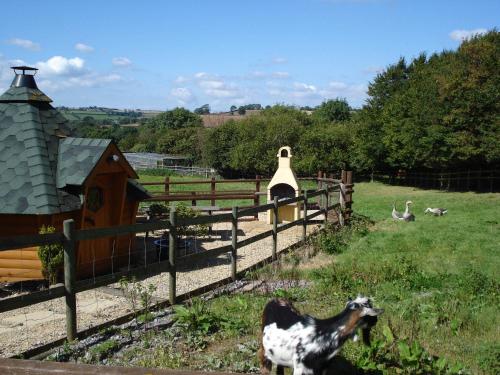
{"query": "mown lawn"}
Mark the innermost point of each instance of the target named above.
(436, 278)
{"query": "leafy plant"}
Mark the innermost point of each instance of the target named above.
(196, 317)
(183, 212)
(101, 351)
(51, 256)
(138, 296)
(389, 353)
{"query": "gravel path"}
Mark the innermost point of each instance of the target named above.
(41, 323)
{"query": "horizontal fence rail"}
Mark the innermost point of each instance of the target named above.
(71, 236)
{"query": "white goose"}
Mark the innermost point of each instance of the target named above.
(436, 211)
(407, 215)
(396, 215)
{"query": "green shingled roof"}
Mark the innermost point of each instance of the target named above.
(77, 157)
(38, 163)
(136, 190)
(23, 94)
(28, 145)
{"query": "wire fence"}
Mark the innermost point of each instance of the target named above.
(171, 264)
(487, 180)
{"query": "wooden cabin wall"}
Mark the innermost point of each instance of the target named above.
(24, 264)
(126, 243)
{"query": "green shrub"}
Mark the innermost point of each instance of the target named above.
(196, 317)
(51, 256)
(161, 210)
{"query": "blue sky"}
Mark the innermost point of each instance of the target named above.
(163, 54)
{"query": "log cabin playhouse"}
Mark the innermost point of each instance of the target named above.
(47, 177)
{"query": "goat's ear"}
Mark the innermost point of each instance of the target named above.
(372, 312)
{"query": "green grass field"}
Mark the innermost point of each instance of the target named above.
(437, 279)
(73, 115)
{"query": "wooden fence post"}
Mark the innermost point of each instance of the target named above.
(70, 278)
(348, 202)
(342, 197)
(256, 200)
(234, 241)
(212, 190)
(320, 174)
(325, 207)
(304, 221)
(275, 228)
(172, 250)
(167, 188)
(167, 185)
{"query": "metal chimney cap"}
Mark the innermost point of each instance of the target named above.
(23, 79)
(24, 68)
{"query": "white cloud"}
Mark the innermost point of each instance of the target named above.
(88, 80)
(214, 86)
(59, 65)
(6, 73)
(121, 61)
(335, 85)
(59, 73)
(354, 93)
(183, 94)
(373, 70)
(304, 87)
(83, 47)
(281, 75)
(300, 93)
(201, 75)
(257, 75)
(24, 43)
(279, 60)
(460, 35)
(181, 79)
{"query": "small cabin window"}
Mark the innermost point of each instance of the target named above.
(95, 199)
(284, 153)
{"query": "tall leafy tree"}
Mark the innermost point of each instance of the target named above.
(333, 110)
(176, 118)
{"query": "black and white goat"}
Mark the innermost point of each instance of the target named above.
(307, 344)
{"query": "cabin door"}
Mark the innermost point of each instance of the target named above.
(102, 209)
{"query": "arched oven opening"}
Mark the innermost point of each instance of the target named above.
(282, 191)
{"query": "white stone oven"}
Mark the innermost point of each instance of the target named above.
(284, 184)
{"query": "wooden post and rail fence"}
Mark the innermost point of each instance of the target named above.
(70, 237)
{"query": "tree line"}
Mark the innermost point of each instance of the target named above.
(437, 112)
